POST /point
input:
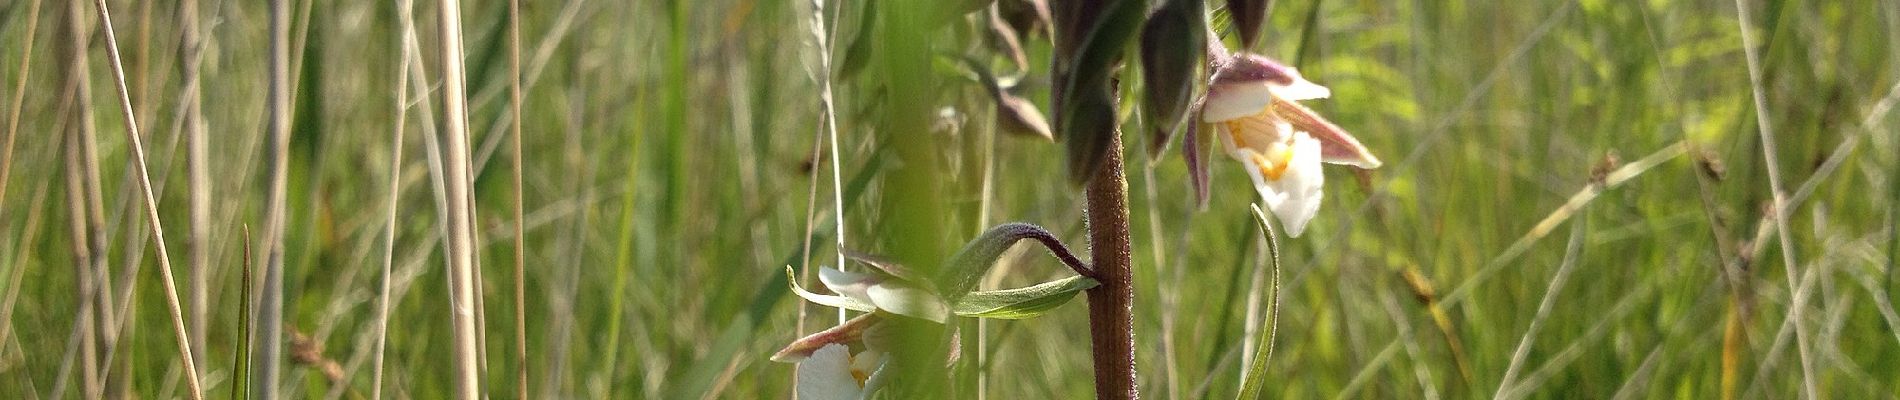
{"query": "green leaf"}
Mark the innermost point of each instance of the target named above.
(1023, 303)
(964, 269)
(825, 299)
(1255, 381)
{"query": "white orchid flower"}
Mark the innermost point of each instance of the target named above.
(827, 367)
(1252, 103)
(833, 373)
(885, 293)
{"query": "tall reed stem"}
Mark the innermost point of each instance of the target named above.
(267, 331)
(462, 291)
(1111, 316)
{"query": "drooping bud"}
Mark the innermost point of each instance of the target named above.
(1006, 39)
(1018, 116)
(1171, 43)
(1026, 16)
(1249, 16)
(1090, 39)
(1014, 114)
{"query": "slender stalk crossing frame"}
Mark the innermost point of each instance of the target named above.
(195, 391)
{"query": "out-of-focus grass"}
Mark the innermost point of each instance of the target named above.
(686, 128)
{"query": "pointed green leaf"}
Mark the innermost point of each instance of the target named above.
(1023, 303)
(1254, 382)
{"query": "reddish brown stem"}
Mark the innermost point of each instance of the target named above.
(1111, 317)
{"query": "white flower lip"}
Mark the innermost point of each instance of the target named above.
(827, 375)
(1295, 197)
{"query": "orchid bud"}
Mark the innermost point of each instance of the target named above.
(1249, 16)
(1171, 43)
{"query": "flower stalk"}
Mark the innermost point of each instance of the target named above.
(1111, 305)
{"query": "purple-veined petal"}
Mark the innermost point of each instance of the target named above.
(1336, 145)
(851, 331)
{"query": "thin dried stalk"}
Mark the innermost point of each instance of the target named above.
(395, 193)
(151, 203)
(1780, 197)
(457, 186)
(85, 209)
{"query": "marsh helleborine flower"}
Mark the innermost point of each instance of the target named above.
(1252, 102)
(828, 368)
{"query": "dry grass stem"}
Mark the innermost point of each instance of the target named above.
(151, 205)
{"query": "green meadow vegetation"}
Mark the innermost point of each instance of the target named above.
(1579, 199)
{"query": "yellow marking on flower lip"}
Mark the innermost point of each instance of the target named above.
(1273, 166)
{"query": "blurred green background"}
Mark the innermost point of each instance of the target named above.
(671, 176)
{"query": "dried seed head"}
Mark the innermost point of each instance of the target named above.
(1710, 165)
(1601, 171)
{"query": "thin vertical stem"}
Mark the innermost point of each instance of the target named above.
(521, 285)
(395, 193)
(456, 188)
(267, 328)
(197, 176)
(151, 204)
(86, 210)
(1769, 156)
(1111, 314)
(19, 97)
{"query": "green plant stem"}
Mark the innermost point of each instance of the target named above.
(1111, 317)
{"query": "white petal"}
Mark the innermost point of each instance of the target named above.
(826, 375)
(1234, 100)
(849, 284)
(867, 362)
(908, 301)
(1300, 89)
(1295, 197)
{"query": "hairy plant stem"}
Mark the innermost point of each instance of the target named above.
(1111, 317)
